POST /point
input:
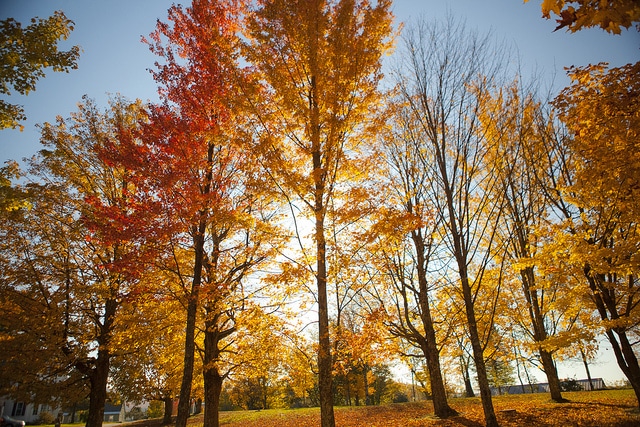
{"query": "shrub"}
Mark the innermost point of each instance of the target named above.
(46, 418)
(570, 384)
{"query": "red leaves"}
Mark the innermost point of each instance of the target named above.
(567, 18)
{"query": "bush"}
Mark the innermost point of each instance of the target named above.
(156, 409)
(400, 397)
(570, 384)
(136, 414)
(46, 418)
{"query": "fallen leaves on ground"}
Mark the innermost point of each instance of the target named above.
(611, 408)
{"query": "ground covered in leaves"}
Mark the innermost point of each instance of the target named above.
(610, 408)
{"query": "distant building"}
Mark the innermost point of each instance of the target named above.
(113, 413)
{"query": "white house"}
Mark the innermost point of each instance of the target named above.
(28, 412)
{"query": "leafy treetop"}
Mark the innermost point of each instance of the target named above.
(25, 52)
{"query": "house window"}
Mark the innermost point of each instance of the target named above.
(35, 408)
(18, 409)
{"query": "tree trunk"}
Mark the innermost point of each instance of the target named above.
(550, 370)
(213, 380)
(168, 410)
(325, 363)
(586, 368)
(189, 360)
(441, 407)
(626, 358)
(212, 389)
(365, 382)
(468, 388)
(516, 358)
(190, 332)
(99, 374)
(606, 304)
(539, 331)
(325, 379)
(98, 395)
(478, 354)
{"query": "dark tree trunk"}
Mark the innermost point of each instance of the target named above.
(478, 353)
(168, 410)
(468, 388)
(606, 302)
(198, 235)
(550, 370)
(213, 334)
(184, 403)
(626, 358)
(365, 382)
(99, 373)
(98, 395)
(441, 407)
(539, 331)
(320, 177)
(212, 389)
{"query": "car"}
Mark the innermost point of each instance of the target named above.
(10, 422)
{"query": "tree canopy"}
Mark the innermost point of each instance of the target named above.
(25, 52)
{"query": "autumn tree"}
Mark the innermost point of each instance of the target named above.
(361, 345)
(194, 160)
(445, 73)
(514, 122)
(576, 15)
(36, 262)
(25, 52)
(598, 237)
(319, 63)
(408, 249)
(148, 366)
(77, 253)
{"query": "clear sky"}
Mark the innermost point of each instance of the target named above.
(113, 60)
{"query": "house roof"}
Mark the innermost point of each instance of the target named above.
(112, 409)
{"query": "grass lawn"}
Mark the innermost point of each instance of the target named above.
(606, 408)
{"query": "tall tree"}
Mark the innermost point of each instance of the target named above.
(25, 52)
(191, 151)
(599, 235)
(195, 160)
(512, 122)
(81, 261)
(409, 248)
(446, 73)
(320, 65)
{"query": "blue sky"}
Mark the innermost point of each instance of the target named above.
(113, 60)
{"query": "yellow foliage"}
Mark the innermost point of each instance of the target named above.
(611, 16)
